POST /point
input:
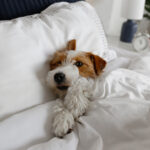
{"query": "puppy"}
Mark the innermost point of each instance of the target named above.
(72, 76)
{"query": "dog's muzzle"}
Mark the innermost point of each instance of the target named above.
(59, 77)
(62, 77)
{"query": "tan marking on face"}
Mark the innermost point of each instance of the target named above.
(87, 69)
(92, 65)
(60, 56)
(57, 60)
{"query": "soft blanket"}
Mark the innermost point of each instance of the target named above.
(119, 119)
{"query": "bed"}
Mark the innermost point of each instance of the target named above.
(119, 119)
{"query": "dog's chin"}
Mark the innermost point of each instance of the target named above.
(62, 87)
(61, 91)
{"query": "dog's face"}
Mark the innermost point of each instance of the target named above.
(68, 65)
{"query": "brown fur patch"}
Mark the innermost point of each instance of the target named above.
(98, 62)
(92, 66)
(87, 69)
(61, 55)
(71, 45)
(57, 60)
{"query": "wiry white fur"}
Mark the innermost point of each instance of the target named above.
(67, 67)
(74, 104)
(63, 120)
(69, 70)
(76, 100)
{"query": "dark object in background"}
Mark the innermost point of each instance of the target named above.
(10, 9)
(128, 31)
(147, 8)
(133, 11)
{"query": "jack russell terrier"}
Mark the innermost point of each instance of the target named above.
(72, 77)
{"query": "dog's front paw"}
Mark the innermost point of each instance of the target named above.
(63, 123)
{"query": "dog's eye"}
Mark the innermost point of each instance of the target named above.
(78, 63)
(58, 63)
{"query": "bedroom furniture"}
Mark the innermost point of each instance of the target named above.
(114, 41)
(10, 9)
(135, 48)
(141, 42)
(132, 10)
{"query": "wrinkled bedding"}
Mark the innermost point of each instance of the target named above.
(118, 120)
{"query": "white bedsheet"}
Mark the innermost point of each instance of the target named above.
(118, 120)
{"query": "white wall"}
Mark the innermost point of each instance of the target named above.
(116, 19)
(110, 14)
(103, 8)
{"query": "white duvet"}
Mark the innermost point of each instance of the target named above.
(119, 119)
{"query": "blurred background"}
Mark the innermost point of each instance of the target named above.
(110, 12)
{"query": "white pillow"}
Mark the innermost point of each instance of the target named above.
(26, 43)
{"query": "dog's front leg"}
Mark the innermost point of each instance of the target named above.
(63, 120)
(76, 101)
(77, 105)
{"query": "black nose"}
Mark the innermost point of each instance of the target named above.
(59, 77)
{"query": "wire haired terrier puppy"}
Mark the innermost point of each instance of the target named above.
(72, 76)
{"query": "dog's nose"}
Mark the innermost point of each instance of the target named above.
(59, 77)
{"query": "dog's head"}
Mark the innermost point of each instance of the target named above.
(68, 65)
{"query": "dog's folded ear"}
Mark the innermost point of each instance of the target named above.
(71, 45)
(98, 63)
